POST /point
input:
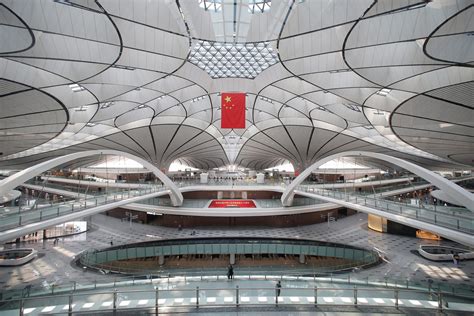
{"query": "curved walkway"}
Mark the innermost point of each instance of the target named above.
(464, 197)
(454, 226)
(18, 178)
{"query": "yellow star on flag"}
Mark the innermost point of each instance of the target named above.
(228, 99)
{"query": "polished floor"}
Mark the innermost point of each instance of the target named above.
(53, 264)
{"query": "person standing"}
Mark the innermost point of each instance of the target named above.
(278, 289)
(230, 272)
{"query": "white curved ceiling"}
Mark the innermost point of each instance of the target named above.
(387, 76)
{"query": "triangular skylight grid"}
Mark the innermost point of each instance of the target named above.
(229, 60)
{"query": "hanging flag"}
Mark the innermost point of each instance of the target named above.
(233, 110)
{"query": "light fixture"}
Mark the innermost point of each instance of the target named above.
(82, 108)
(106, 104)
(198, 98)
(384, 91)
(266, 100)
(76, 88)
(90, 124)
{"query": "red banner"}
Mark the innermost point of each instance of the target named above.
(233, 110)
(232, 203)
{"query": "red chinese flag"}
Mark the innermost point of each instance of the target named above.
(233, 110)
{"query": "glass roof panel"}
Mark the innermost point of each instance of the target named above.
(233, 58)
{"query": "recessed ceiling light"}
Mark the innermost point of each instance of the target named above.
(90, 124)
(266, 100)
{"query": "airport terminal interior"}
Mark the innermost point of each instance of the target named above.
(236, 157)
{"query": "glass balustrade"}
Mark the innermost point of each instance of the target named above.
(158, 294)
(20, 218)
(462, 221)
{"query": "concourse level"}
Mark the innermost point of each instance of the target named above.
(454, 224)
(15, 225)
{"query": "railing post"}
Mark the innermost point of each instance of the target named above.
(156, 300)
(315, 296)
(197, 296)
(41, 215)
(237, 295)
(115, 300)
(355, 295)
(58, 211)
(69, 308)
(396, 298)
(22, 307)
(440, 301)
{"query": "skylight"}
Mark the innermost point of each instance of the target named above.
(233, 60)
(353, 107)
(76, 88)
(211, 5)
(259, 6)
(254, 6)
(383, 92)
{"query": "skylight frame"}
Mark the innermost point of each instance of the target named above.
(259, 6)
(211, 5)
(233, 60)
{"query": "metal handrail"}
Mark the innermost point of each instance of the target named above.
(238, 293)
